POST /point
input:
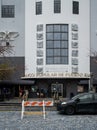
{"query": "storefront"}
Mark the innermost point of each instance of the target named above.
(10, 88)
(55, 85)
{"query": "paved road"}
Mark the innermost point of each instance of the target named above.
(12, 121)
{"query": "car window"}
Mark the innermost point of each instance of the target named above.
(77, 96)
(95, 96)
(86, 97)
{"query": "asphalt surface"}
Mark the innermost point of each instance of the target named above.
(11, 120)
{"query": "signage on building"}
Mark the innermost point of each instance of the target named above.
(57, 75)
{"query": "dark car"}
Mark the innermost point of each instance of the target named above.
(85, 102)
(1, 97)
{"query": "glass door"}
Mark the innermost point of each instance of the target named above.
(57, 90)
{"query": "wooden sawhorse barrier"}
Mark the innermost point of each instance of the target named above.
(35, 103)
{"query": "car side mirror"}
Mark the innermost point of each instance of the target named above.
(77, 100)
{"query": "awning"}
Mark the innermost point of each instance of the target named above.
(84, 82)
(17, 82)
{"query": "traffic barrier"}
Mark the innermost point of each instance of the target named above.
(35, 103)
(38, 103)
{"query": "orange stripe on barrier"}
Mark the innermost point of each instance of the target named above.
(38, 103)
(33, 103)
(27, 103)
(48, 103)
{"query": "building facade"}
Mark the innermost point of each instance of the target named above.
(53, 39)
(12, 33)
(58, 43)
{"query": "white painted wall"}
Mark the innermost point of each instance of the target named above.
(65, 17)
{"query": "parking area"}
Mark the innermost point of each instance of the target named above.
(53, 121)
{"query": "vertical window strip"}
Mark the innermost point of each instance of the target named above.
(75, 7)
(57, 6)
(38, 8)
(54, 45)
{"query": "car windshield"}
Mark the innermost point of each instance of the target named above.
(77, 96)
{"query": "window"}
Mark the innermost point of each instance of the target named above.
(86, 98)
(57, 6)
(57, 44)
(8, 11)
(75, 7)
(38, 8)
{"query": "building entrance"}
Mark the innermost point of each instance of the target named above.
(57, 90)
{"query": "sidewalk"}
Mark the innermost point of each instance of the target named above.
(15, 104)
(18, 100)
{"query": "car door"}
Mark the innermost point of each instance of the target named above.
(85, 103)
(95, 102)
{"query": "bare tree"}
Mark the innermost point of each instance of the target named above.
(6, 49)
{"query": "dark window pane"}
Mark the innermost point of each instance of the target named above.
(38, 8)
(56, 52)
(8, 11)
(49, 28)
(57, 44)
(57, 6)
(64, 28)
(75, 7)
(57, 36)
(64, 36)
(56, 60)
(64, 60)
(64, 52)
(49, 52)
(56, 28)
(49, 60)
(49, 36)
(64, 44)
(49, 44)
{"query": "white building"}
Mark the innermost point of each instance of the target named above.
(54, 39)
(57, 42)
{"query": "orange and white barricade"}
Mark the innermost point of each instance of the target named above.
(36, 103)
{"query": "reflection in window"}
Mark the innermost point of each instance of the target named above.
(86, 98)
(57, 44)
